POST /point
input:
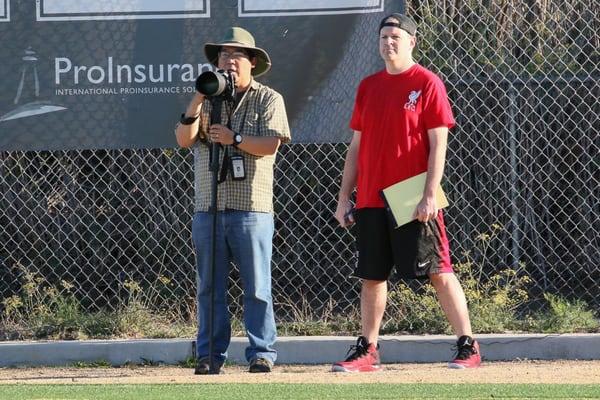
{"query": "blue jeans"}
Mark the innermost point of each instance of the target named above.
(245, 238)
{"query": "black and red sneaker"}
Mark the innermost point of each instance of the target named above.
(364, 357)
(467, 354)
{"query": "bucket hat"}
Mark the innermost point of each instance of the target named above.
(239, 37)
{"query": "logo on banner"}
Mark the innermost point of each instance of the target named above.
(113, 78)
(29, 87)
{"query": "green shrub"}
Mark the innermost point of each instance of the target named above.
(414, 311)
(564, 316)
(101, 325)
(43, 311)
(51, 311)
(493, 300)
(306, 321)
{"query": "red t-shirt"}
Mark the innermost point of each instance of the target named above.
(393, 114)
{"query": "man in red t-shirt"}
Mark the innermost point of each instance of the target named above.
(401, 119)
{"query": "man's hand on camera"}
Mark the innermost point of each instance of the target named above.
(198, 98)
(220, 134)
(195, 105)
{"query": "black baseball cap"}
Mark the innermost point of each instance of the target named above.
(404, 22)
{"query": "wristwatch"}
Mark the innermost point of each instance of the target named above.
(187, 120)
(237, 139)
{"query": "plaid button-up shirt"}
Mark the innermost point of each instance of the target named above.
(261, 112)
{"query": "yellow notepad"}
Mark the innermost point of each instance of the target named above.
(402, 198)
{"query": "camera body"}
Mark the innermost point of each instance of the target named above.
(218, 84)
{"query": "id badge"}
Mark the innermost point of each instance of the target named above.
(237, 168)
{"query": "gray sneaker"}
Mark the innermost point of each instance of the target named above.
(260, 365)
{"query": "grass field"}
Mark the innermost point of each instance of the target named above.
(298, 391)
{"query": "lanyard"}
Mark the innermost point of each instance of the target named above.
(226, 158)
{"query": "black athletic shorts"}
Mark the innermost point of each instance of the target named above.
(416, 249)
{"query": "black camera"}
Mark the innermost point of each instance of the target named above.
(218, 83)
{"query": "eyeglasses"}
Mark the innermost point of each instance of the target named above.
(236, 55)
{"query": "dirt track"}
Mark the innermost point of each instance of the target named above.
(576, 372)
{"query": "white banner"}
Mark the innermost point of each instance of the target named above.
(118, 73)
(61, 10)
(252, 8)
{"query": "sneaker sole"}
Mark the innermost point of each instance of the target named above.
(372, 368)
(461, 366)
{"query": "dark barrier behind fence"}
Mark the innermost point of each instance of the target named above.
(522, 176)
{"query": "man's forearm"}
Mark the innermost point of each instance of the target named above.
(350, 169)
(186, 134)
(436, 161)
(260, 145)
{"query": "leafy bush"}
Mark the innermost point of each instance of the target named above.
(46, 311)
(51, 311)
(42, 311)
(306, 322)
(564, 316)
(494, 300)
(494, 303)
(415, 311)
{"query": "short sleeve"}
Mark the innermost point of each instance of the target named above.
(436, 107)
(274, 121)
(356, 122)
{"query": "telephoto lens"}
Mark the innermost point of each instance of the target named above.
(214, 84)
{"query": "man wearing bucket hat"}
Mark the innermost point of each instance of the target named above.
(401, 119)
(252, 127)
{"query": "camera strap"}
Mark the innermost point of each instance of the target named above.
(227, 159)
(227, 162)
(223, 169)
(224, 166)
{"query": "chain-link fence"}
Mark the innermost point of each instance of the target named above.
(524, 81)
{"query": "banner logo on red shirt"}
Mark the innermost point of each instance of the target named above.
(412, 100)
